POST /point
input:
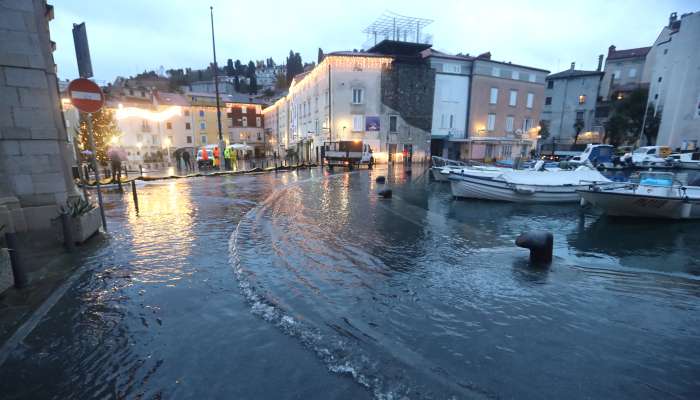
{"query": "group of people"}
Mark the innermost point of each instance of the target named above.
(184, 158)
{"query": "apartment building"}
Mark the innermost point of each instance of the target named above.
(674, 92)
(505, 104)
(245, 126)
(570, 105)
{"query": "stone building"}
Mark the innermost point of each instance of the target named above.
(571, 96)
(35, 154)
(625, 71)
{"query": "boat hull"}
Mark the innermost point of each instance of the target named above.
(620, 204)
(438, 175)
(485, 188)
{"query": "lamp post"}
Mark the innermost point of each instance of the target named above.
(216, 89)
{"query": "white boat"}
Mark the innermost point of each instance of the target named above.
(657, 195)
(442, 167)
(524, 186)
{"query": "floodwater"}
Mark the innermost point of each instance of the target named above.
(310, 286)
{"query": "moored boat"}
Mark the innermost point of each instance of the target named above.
(657, 195)
(529, 186)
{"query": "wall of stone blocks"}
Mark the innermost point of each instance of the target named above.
(35, 156)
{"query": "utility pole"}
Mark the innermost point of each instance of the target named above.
(216, 90)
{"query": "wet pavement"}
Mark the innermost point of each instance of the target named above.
(419, 296)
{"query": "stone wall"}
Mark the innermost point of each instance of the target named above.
(35, 156)
(408, 88)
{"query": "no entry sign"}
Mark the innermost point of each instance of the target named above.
(85, 95)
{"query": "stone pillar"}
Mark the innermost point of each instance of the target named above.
(35, 157)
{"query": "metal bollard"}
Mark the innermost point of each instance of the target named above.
(380, 179)
(540, 243)
(18, 271)
(141, 169)
(136, 196)
(386, 193)
(68, 240)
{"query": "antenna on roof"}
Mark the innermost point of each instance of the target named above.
(393, 26)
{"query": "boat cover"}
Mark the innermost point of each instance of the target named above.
(552, 178)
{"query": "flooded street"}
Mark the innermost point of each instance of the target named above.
(303, 285)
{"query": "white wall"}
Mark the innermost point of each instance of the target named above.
(450, 100)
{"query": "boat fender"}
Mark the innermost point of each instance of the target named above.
(386, 193)
(380, 179)
(540, 244)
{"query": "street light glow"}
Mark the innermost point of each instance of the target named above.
(154, 116)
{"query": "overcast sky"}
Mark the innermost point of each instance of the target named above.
(129, 36)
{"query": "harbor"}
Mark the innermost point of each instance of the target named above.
(420, 295)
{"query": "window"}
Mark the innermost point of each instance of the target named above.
(496, 71)
(582, 99)
(187, 113)
(154, 139)
(665, 51)
(452, 68)
(509, 123)
(188, 126)
(632, 72)
(189, 139)
(244, 121)
(547, 101)
(258, 123)
(532, 78)
(442, 121)
(358, 122)
(506, 151)
(515, 75)
(170, 138)
(452, 121)
(494, 95)
(202, 125)
(491, 122)
(357, 96)
(579, 115)
(656, 96)
(139, 138)
(259, 136)
(616, 74)
(550, 84)
(393, 122)
(527, 124)
(201, 113)
(530, 100)
(203, 139)
(145, 126)
(168, 125)
(513, 100)
(659, 79)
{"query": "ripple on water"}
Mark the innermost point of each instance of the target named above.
(428, 298)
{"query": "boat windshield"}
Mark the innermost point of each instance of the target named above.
(656, 179)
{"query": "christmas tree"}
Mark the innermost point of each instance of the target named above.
(104, 126)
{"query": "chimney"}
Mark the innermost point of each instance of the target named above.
(672, 18)
(600, 63)
(573, 65)
(611, 50)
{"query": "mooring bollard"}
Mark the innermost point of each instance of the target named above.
(68, 240)
(141, 169)
(386, 193)
(540, 244)
(380, 179)
(136, 196)
(18, 271)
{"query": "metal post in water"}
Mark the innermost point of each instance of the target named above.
(136, 196)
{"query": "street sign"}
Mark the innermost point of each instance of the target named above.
(85, 95)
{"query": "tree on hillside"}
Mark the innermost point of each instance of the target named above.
(295, 66)
(320, 55)
(270, 63)
(240, 68)
(104, 126)
(280, 81)
(652, 125)
(230, 71)
(236, 84)
(252, 79)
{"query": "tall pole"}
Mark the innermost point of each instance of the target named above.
(91, 141)
(216, 90)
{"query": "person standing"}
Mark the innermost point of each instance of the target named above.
(227, 158)
(116, 162)
(178, 158)
(187, 162)
(215, 162)
(234, 159)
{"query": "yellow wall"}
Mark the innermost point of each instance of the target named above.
(210, 121)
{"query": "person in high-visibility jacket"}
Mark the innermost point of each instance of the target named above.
(216, 157)
(234, 159)
(227, 157)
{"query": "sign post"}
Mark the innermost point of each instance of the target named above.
(87, 97)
